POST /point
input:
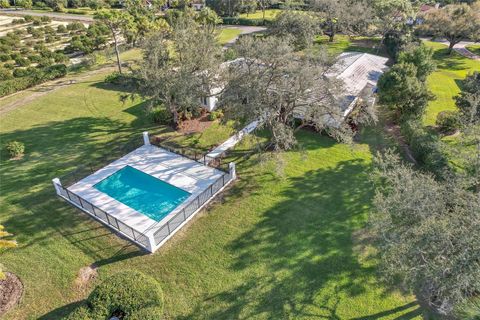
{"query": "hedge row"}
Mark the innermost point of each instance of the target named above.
(13, 85)
(245, 21)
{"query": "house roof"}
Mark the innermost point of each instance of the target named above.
(357, 70)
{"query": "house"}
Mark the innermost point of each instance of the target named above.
(197, 4)
(359, 73)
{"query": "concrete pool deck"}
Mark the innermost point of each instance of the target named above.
(169, 167)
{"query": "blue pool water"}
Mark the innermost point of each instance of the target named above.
(142, 192)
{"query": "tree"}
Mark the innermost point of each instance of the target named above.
(402, 92)
(421, 57)
(230, 8)
(274, 84)
(117, 21)
(4, 244)
(299, 26)
(208, 18)
(453, 22)
(351, 17)
(391, 16)
(179, 70)
(427, 233)
(145, 19)
(468, 101)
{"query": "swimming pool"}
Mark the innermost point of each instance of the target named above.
(142, 192)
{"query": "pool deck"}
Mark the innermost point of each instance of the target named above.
(174, 169)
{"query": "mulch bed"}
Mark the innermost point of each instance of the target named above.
(195, 125)
(11, 290)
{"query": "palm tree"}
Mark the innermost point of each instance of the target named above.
(4, 243)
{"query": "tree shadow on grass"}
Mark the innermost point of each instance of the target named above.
(300, 256)
(61, 312)
(53, 149)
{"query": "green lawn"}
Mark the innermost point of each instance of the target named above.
(445, 81)
(475, 48)
(270, 14)
(343, 43)
(275, 247)
(228, 34)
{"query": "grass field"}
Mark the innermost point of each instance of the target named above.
(446, 80)
(475, 48)
(275, 247)
(228, 34)
(343, 43)
(270, 14)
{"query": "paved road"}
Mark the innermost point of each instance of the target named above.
(459, 47)
(53, 15)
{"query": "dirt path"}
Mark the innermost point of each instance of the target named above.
(46, 88)
(393, 130)
(459, 48)
(53, 15)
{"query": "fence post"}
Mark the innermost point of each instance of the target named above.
(146, 138)
(57, 184)
(232, 170)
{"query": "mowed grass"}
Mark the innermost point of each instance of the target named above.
(475, 48)
(228, 34)
(285, 242)
(342, 43)
(270, 14)
(445, 82)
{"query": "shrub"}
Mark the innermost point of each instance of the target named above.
(4, 4)
(45, 19)
(4, 57)
(61, 29)
(15, 149)
(75, 26)
(18, 21)
(28, 72)
(214, 115)
(426, 147)
(28, 18)
(5, 74)
(124, 294)
(80, 313)
(448, 121)
(22, 62)
(244, 21)
(149, 313)
(161, 115)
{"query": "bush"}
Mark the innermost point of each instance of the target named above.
(28, 18)
(22, 62)
(150, 313)
(161, 115)
(45, 19)
(244, 21)
(5, 74)
(214, 115)
(4, 57)
(4, 4)
(426, 147)
(74, 26)
(15, 149)
(61, 29)
(124, 294)
(448, 121)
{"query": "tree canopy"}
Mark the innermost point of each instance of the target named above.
(274, 84)
(454, 22)
(427, 232)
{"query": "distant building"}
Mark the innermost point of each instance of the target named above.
(198, 4)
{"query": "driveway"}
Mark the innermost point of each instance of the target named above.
(54, 15)
(459, 47)
(244, 30)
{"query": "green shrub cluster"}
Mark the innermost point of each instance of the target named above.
(214, 115)
(129, 295)
(425, 146)
(161, 115)
(448, 121)
(15, 149)
(40, 75)
(244, 21)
